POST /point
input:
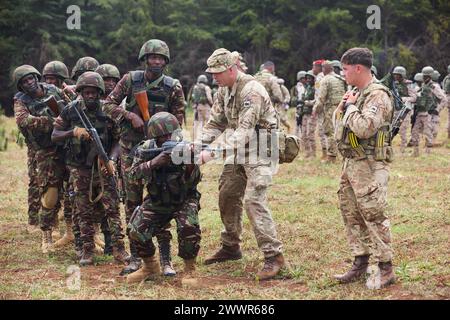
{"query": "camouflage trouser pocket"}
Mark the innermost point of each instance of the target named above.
(138, 230)
(371, 201)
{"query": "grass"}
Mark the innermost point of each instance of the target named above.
(305, 207)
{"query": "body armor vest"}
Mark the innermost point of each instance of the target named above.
(308, 95)
(199, 94)
(425, 101)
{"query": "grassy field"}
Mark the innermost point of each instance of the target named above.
(304, 203)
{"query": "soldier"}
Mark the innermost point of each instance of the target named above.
(332, 88)
(426, 102)
(446, 87)
(240, 62)
(93, 183)
(243, 104)
(164, 94)
(296, 96)
(82, 65)
(374, 72)
(283, 107)
(337, 67)
(269, 81)
(309, 122)
(440, 102)
(317, 71)
(182, 203)
(35, 120)
(55, 72)
(202, 101)
(363, 117)
(110, 75)
(408, 95)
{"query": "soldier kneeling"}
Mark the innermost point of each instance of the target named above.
(172, 194)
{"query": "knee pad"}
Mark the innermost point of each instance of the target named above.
(50, 198)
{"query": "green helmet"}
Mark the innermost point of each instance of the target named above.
(56, 68)
(84, 64)
(161, 124)
(374, 70)
(418, 77)
(436, 75)
(310, 73)
(280, 81)
(427, 71)
(155, 46)
(400, 70)
(108, 71)
(90, 79)
(336, 64)
(202, 79)
(23, 71)
(300, 74)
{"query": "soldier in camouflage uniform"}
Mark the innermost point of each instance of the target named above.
(317, 71)
(446, 87)
(362, 120)
(201, 103)
(332, 88)
(426, 102)
(172, 194)
(35, 120)
(296, 96)
(309, 121)
(92, 181)
(283, 107)
(269, 81)
(110, 75)
(243, 105)
(164, 94)
(439, 104)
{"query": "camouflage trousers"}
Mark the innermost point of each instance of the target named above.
(362, 201)
(322, 136)
(327, 126)
(404, 129)
(87, 213)
(282, 112)
(435, 121)
(247, 184)
(422, 125)
(67, 190)
(34, 200)
(134, 190)
(203, 113)
(146, 224)
(309, 124)
(50, 171)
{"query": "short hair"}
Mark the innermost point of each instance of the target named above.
(361, 56)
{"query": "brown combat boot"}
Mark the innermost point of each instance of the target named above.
(47, 241)
(189, 265)
(67, 238)
(224, 254)
(149, 267)
(87, 255)
(271, 268)
(358, 270)
(387, 275)
(119, 253)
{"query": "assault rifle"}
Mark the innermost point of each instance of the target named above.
(398, 105)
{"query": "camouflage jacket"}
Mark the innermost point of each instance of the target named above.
(270, 83)
(332, 89)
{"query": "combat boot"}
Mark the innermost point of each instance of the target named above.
(165, 259)
(189, 265)
(387, 275)
(358, 270)
(87, 256)
(108, 250)
(67, 238)
(135, 261)
(271, 268)
(224, 254)
(119, 252)
(47, 241)
(149, 268)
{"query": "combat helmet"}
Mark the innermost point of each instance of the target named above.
(108, 71)
(202, 79)
(90, 79)
(23, 71)
(427, 71)
(56, 68)
(436, 75)
(374, 70)
(311, 73)
(336, 64)
(84, 64)
(155, 46)
(301, 74)
(161, 124)
(400, 70)
(418, 77)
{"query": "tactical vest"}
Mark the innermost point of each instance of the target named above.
(82, 153)
(337, 90)
(199, 94)
(35, 138)
(425, 101)
(264, 79)
(308, 95)
(379, 145)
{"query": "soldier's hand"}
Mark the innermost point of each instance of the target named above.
(135, 120)
(81, 133)
(352, 97)
(161, 160)
(109, 168)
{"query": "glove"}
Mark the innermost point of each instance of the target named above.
(135, 120)
(81, 133)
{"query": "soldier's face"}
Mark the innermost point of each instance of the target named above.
(351, 73)
(110, 84)
(51, 79)
(226, 78)
(398, 77)
(91, 96)
(317, 68)
(29, 83)
(155, 63)
(162, 139)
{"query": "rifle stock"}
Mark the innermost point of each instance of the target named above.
(142, 101)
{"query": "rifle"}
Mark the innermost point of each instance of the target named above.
(299, 113)
(398, 105)
(55, 106)
(103, 156)
(142, 101)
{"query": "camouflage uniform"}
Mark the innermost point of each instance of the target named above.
(309, 123)
(446, 87)
(296, 95)
(409, 96)
(243, 107)
(322, 136)
(332, 88)
(363, 185)
(281, 107)
(269, 82)
(440, 102)
(202, 100)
